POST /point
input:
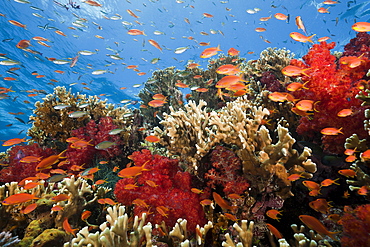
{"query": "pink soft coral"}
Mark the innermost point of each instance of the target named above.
(172, 190)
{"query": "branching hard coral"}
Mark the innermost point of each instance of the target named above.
(77, 195)
(115, 232)
(53, 120)
(245, 232)
(6, 239)
(193, 132)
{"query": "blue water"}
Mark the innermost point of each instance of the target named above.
(232, 24)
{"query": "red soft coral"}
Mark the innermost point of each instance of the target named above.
(356, 227)
(171, 190)
(16, 170)
(333, 88)
(226, 171)
(95, 133)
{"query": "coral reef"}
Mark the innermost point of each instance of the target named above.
(191, 134)
(356, 225)
(332, 88)
(6, 239)
(16, 170)
(163, 190)
(53, 119)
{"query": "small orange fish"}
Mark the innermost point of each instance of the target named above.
(57, 208)
(363, 190)
(361, 27)
(314, 193)
(202, 90)
(345, 113)
(135, 32)
(292, 70)
(346, 194)
(155, 44)
(204, 43)
(320, 205)
(233, 52)
(347, 172)
(85, 214)
(274, 231)
(328, 182)
(294, 177)
(196, 191)
(206, 202)
(207, 15)
(132, 13)
(18, 24)
(228, 69)
(100, 181)
(323, 10)
(30, 185)
(209, 52)
(140, 203)
(67, 227)
(30, 159)
(260, 29)
(60, 197)
(60, 33)
(280, 97)
(273, 214)
(156, 103)
(234, 196)
(221, 202)
(229, 80)
(132, 171)
(306, 105)
(299, 23)
(130, 186)
(365, 156)
(153, 139)
(29, 208)
(265, 18)
(322, 39)
(311, 185)
(295, 86)
(230, 217)
(49, 161)
(23, 44)
(301, 38)
(281, 16)
(316, 225)
(14, 141)
(331, 131)
(19, 198)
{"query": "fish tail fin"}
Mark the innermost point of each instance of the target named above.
(309, 39)
(218, 48)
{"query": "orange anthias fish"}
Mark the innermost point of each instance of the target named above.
(209, 52)
(155, 44)
(233, 52)
(29, 208)
(132, 171)
(49, 161)
(23, 44)
(311, 185)
(320, 205)
(300, 37)
(292, 70)
(347, 172)
(352, 61)
(135, 32)
(316, 225)
(229, 80)
(294, 177)
(67, 227)
(85, 214)
(281, 17)
(228, 69)
(156, 103)
(273, 214)
(299, 23)
(18, 24)
(323, 10)
(19, 198)
(153, 139)
(221, 202)
(93, 3)
(345, 113)
(274, 231)
(14, 141)
(132, 13)
(306, 105)
(365, 156)
(328, 182)
(361, 27)
(331, 131)
(295, 86)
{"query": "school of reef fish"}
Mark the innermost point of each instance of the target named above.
(267, 152)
